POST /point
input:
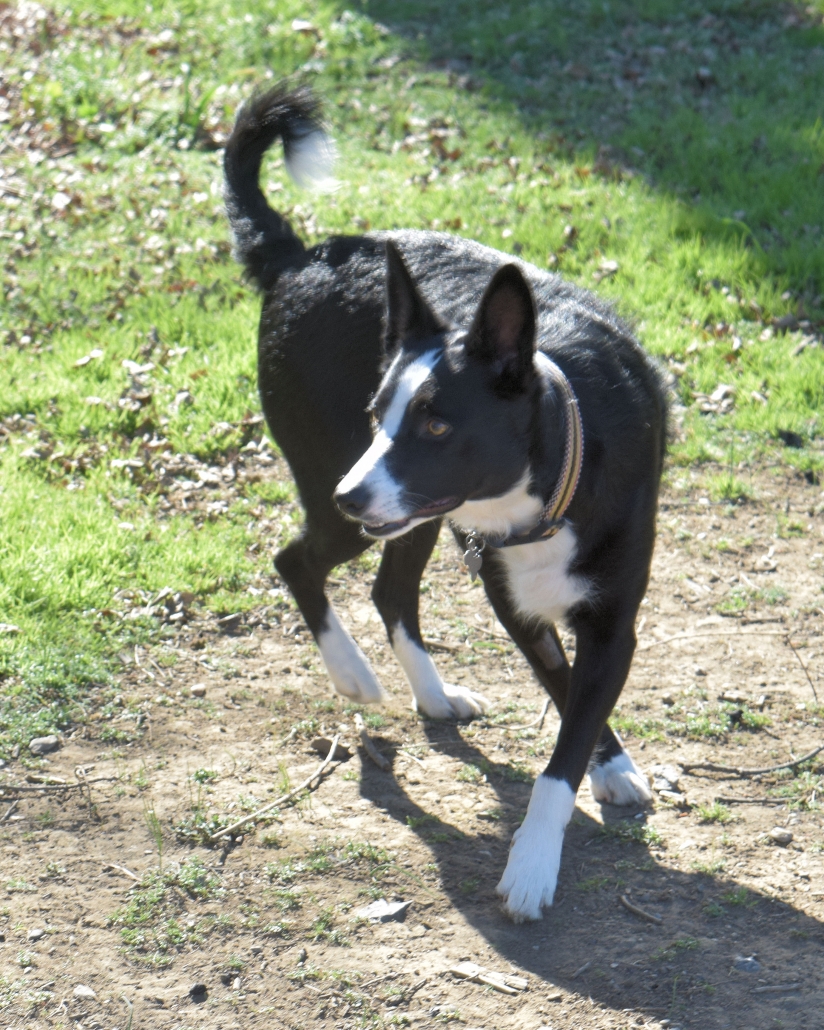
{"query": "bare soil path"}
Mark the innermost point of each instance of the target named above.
(268, 923)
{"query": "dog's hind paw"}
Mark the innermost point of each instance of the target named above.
(619, 782)
(451, 703)
(347, 665)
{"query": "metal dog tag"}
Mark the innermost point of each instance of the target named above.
(472, 556)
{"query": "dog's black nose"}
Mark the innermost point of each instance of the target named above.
(354, 502)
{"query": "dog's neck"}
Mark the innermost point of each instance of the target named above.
(524, 514)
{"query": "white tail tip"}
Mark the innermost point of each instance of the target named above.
(311, 160)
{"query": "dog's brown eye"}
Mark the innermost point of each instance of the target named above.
(436, 427)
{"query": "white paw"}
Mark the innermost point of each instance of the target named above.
(619, 782)
(347, 665)
(531, 872)
(451, 703)
(433, 697)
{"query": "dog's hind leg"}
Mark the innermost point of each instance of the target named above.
(304, 564)
(396, 593)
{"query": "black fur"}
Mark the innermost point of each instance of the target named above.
(333, 318)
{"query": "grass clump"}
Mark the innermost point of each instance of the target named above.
(151, 923)
(635, 832)
(714, 813)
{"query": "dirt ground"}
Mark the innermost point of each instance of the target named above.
(268, 924)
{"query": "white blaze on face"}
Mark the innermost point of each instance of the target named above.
(386, 503)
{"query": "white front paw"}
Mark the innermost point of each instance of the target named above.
(348, 667)
(530, 876)
(452, 703)
(531, 873)
(359, 684)
(619, 782)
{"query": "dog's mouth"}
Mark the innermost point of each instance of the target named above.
(429, 511)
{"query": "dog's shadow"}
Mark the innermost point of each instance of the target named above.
(588, 942)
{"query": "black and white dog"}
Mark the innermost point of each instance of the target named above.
(411, 375)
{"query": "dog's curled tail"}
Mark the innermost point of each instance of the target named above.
(264, 241)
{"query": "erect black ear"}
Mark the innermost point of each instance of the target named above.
(503, 333)
(408, 316)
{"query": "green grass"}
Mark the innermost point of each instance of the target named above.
(714, 813)
(152, 924)
(633, 833)
(694, 203)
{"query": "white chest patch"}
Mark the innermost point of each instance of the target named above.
(538, 577)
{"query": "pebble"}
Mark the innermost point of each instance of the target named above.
(226, 978)
(382, 911)
(44, 745)
(256, 949)
(198, 992)
(780, 836)
(665, 777)
(82, 991)
(198, 690)
(36, 933)
(746, 964)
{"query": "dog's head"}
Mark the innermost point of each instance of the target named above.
(451, 418)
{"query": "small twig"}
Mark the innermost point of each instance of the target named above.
(735, 771)
(378, 979)
(804, 667)
(381, 761)
(19, 788)
(580, 970)
(439, 645)
(713, 633)
(280, 801)
(776, 988)
(724, 799)
(123, 870)
(413, 757)
(9, 811)
(142, 668)
(539, 722)
(640, 912)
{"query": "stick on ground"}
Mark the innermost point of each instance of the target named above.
(735, 771)
(280, 801)
(539, 722)
(381, 761)
(640, 912)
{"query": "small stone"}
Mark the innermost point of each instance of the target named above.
(778, 835)
(698, 671)
(747, 964)
(82, 991)
(256, 949)
(665, 777)
(198, 690)
(198, 992)
(322, 745)
(36, 934)
(382, 911)
(44, 745)
(667, 699)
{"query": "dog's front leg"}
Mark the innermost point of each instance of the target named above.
(602, 660)
(396, 594)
